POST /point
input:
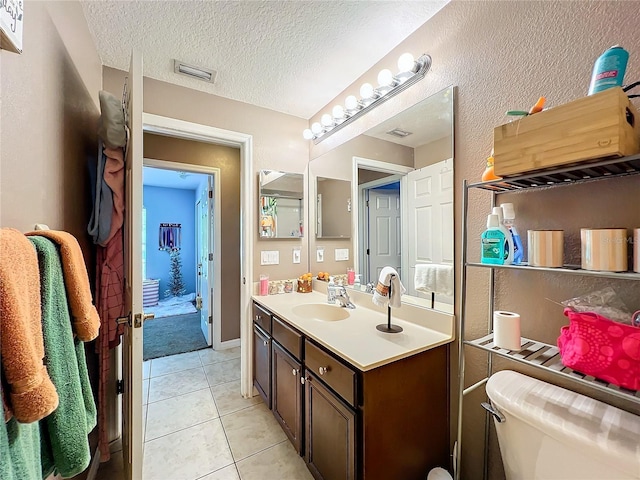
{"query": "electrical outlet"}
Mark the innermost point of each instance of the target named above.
(320, 254)
(296, 255)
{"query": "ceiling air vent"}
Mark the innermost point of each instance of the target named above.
(200, 73)
(397, 132)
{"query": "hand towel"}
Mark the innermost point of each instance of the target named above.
(389, 277)
(86, 322)
(114, 176)
(100, 223)
(65, 445)
(32, 396)
(433, 277)
(19, 450)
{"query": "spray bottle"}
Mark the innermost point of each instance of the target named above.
(509, 220)
(508, 242)
(609, 69)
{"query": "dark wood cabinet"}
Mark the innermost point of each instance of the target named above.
(390, 422)
(330, 435)
(262, 363)
(286, 393)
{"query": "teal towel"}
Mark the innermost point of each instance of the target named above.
(64, 442)
(19, 450)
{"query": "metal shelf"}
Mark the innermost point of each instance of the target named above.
(547, 357)
(570, 269)
(584, 172)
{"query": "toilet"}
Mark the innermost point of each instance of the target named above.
(554, 434)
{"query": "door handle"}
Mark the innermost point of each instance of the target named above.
(148, 316)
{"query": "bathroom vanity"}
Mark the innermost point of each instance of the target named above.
(355, 402)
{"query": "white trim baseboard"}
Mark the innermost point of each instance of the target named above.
(229, 344)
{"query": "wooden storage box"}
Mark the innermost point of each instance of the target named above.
(598, 126)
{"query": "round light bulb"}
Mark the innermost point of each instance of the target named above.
(307, 134)
(406, 62)
(316, 128)
(385, 78)
(326, 120)
(338, 112)
(366, 91)
(351, 102)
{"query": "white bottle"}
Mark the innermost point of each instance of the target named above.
(331, 291)
(508, 247)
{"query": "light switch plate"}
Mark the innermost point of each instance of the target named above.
(320, 254)
(269, 257)
(341, 254)
(296, 255)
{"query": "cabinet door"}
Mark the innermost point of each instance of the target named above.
(287, 393)
(330, 433)
(262, 364)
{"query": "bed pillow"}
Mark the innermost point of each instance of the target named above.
(111, 128)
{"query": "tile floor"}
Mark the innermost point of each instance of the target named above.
(197, 426)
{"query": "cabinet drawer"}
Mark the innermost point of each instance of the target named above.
(287, 337)
(262, 317)
(335, 374)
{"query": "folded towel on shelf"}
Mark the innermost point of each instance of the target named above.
(433, 277)
(388, 278)
(86, 322)
(65, 446)
(31, 394)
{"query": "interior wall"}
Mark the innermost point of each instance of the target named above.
(227, 159)
(503, 56)
(277, 145)
(49, 120)
(434, 152)
(170, 205)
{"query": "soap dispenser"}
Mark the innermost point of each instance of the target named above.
(331, 291)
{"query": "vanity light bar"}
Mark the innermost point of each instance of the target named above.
(410, 72)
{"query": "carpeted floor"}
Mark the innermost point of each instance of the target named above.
(172, 335)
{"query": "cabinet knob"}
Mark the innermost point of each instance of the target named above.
(323, 370)
(294, 372)
(302, 380)
(265, 343)
(258, 318)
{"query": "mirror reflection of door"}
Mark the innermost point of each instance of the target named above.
(203, 298)
(383, 228)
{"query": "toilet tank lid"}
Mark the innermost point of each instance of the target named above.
(571, 418)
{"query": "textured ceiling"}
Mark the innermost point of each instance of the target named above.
(289, 56)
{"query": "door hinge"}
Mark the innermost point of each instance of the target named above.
(119, 387)
(368, 253)
(210, 319)
(211, 257)
(210, 193)
(367, 203)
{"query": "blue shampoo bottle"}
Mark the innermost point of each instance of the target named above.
(609, 69)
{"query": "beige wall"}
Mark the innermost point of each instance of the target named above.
(336, 211)
(227, 159)
(49, 119)
(277, 145)
(502, 56)
(434, 152)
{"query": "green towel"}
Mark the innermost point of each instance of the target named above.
(64, 442)
(19, 450)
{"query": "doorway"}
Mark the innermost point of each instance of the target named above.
(178, 232)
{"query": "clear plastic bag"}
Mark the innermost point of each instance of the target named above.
(604, 302)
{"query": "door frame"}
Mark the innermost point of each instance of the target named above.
(215, 329)
(172, 127)
(377, 166)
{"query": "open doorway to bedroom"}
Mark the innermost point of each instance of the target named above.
(177, 258)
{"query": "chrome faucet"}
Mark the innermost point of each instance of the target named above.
(343, 297)
(370, 287)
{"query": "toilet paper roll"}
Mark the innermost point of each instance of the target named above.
(604, 249)
(546, 248)
(506, 330)
(636, 250)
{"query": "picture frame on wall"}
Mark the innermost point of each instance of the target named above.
(11, 25)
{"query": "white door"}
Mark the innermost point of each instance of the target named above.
(203, 249)
(132, 341)
(384, 231)
(430, 219)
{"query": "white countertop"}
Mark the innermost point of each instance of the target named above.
(356, 339)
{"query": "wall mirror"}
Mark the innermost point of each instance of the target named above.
(281, 204)
(333, 208)
(401, 176)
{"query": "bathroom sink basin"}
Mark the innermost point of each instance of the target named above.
(321, 311)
